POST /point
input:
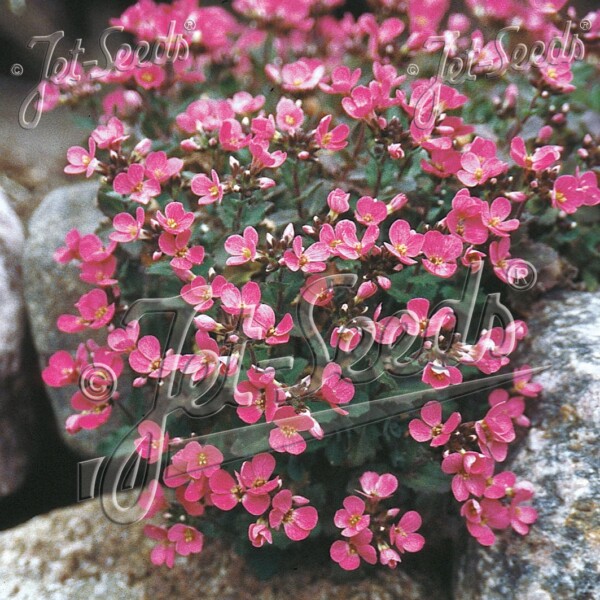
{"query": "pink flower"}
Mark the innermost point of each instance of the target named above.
(351, 519)
(111, 135)
(297, 522)
(187, 540)
(289, 115)
(127, 228)
(351, 247)
(557, 76)
(566, 194)
(93, 414)
(70, 251)
(336, 139)
(378, 487)
(588, 185)
(360, 104)
(152, 500)
(286, 436)
(370, 211)
(348, 553)
(244, 103)
(95, 313)
(147, 358)
(521, 516)
(513, 407)
(522, 383)
(232, 137)
(261, 326)
(345, 338)
(82, 161)
(175, 220)
(200, 294)
(342, 81)
(405, 242)
(440, 376)
(494, 217)
(482, 516)
(259, 394)
(479, 163)
(176, 246)
(471, 471)
(242, 248)
(226, 492)
(317, 290)
(209, 190)
(441, 252)
(335, 389)
(389, 557)
(124, 340)
(541, 159)
(465, 219)
(131, 183)
(310, 260)
(153, 441)
(259, 534)
(235, 302)
(164, 551)
(494, 432)
(403, 535)
(431, 427)
(254, 476)
(150, 77)
(200, 461)
(262, 158)
(416, 321)
(160, 168)
(63, 369)
(304, 74)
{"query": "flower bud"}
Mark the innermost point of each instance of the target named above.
(510, 96)
(516, 196)
(395, 151)
(366, 290)
(545, 133)
(303, 155)
(383, 282)
(264, 183)
(189, 145)
(143, 147)
(396, 203)
(338, 201)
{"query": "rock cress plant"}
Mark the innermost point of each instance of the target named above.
(288, 147)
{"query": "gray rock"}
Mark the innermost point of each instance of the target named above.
(15, 410)
(560, 456)
(51, 289)
(76, 553)
(11, 291)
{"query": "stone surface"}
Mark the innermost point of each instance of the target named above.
(16, 409)
(52, 289)
(77, 553)
(560, 456)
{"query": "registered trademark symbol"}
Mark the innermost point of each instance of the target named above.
(189, 25)
(16, 70)
(413, 69)
(585, 25)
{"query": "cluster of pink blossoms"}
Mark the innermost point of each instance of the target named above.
(269, 109)
(470, 453)
(373, 532)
